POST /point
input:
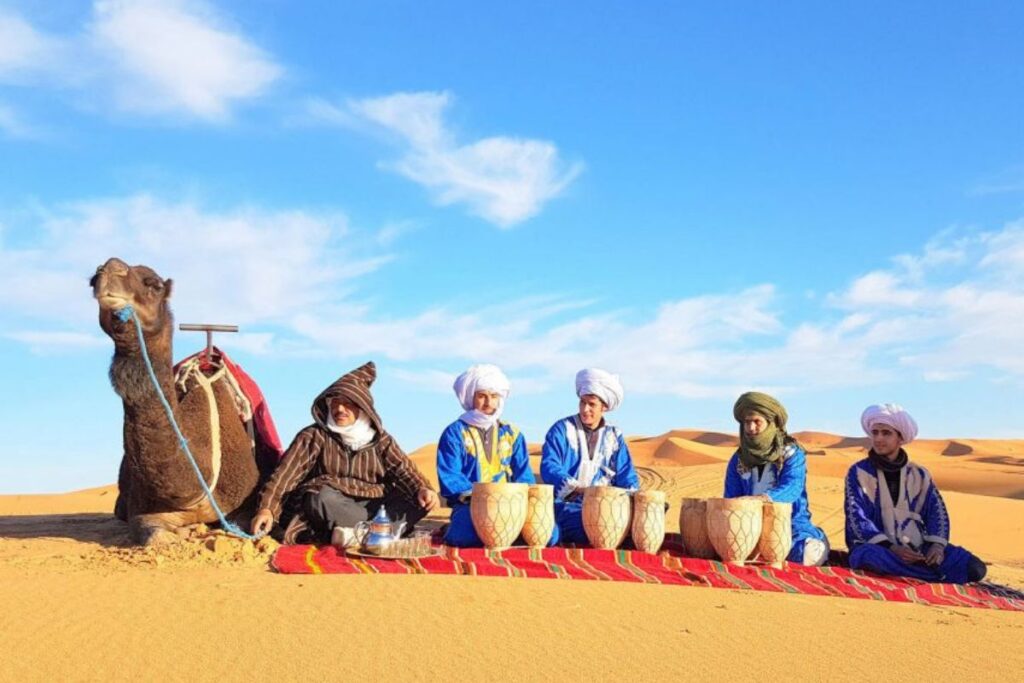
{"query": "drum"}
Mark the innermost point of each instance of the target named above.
(498, 511)
(540, 515)
(693, 528)
(776, 533)
(648, 527)
(606, 515)
(734, 527)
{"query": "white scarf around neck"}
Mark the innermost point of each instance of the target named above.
(357, 434)
(480, 419)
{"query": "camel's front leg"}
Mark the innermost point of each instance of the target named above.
(157, 528)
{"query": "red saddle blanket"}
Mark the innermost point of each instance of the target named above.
(668, 567)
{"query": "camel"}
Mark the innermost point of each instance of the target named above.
(158, 489)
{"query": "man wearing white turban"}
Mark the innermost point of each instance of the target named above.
(896, 520)
(584, 450)
(478, 447)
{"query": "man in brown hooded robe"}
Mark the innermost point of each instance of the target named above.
(340, 470)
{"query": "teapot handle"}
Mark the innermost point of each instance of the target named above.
(360, 530)
(399, 529)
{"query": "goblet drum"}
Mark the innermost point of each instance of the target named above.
(606, 515)
(693, 528)
(498, 511)
(776, 533)
(540, 515)
(648, 527)
(734, 527)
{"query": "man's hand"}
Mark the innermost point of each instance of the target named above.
(935, 555)
(263, 522)
(908, 555)
(427, 499)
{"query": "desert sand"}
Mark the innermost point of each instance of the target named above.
(77, 602)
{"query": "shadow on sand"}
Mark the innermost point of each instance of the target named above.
(88, 527)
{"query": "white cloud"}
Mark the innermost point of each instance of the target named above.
(504, 180)
(172, 58)
(243, 266)
(45, 341)
(14, 126)
(177, 56)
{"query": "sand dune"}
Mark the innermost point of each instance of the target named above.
(78, 602)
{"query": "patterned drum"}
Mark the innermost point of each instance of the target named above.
(540, 515)
(648, 520)
(498, 512)
(606, 515)
(776, 533)
(734, 527)
(693, 528)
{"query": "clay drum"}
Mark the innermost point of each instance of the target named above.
(540, 515)
(498, 511)
(693, 528)
(734, 527)
(648, 528)
(606, 515)
(776, 533)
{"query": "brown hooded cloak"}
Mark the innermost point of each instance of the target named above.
(317, 456)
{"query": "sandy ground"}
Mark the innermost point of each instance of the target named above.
(78, 603)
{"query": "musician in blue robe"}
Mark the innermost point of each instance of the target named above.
(770, 463)
(479, 447)
(584, 450)
(896, 520)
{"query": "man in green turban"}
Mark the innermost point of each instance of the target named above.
(770, 463)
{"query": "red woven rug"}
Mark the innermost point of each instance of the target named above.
(668, 567)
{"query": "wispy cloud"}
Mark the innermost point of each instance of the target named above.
(952, 311)
(45, 341)
(172, 58)
(504, 180)
(14, 126)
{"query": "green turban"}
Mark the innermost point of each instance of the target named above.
(769, 445)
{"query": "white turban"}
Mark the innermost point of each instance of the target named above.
(600, 383)
(890, 415)
(488, 378)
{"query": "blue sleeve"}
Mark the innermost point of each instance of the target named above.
(936, 519)
(860, 514)
(521, 470)
(733, 482)
(792, 479)
(553, 457)
(451, 455)
(625, 473)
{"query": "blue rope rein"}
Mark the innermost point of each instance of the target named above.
(128, 313)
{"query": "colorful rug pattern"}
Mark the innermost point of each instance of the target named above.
(668, 567)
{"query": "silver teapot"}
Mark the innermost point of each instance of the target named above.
(375, 536)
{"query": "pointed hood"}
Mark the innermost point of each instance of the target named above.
(353, 386)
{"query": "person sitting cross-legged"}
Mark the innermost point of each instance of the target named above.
(896, 520)
(585, 450)
(770, 463)
(479, 447)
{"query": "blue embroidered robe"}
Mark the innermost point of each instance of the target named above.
(561, 464)
(915, 520)
(784, 482)
(460, 465)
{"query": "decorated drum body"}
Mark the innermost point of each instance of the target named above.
(648, 528)
(540, 515)
(606, 515)
(693, 528)
(498, 511)
(734, 527)
(776, 533)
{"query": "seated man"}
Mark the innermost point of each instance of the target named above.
(770, 463)
(478, 447)
(342, 469)
(896, 521)
(583, 450)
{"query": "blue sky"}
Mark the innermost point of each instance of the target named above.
(825, 202)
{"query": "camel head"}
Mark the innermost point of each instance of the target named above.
(116, 285)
